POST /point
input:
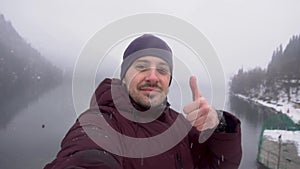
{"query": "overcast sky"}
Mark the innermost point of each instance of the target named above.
(243, 32)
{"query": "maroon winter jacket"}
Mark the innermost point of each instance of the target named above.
(96, 140)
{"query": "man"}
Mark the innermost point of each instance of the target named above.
(136, 107)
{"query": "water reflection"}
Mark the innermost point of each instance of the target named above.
(252, 117)
(12, 104)
(25, 143)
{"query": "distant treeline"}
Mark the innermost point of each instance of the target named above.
(281, 77)
(23, 70)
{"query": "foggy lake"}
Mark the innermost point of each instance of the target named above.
(31, 138)
(24, 142)
(252, 117)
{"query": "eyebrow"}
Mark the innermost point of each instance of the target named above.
(141, 60)
(163, 63)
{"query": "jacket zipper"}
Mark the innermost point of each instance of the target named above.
(179, 162)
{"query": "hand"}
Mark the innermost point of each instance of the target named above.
(199, 113)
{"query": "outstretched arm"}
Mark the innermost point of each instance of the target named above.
(79, 150)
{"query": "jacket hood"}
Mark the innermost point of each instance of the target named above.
(112, 94)
(103, 94)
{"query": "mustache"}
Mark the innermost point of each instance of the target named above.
(154, 85)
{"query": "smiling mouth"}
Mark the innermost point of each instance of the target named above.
(150, 89)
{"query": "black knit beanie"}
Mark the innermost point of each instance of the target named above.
(146, 45)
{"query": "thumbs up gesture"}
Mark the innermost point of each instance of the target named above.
(199, 113)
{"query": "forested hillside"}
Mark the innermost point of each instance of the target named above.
(24, 72)
(281, 78)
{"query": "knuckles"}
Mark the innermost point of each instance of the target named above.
(185, 109)
(200, 114)
(196, 104)
(205, 109)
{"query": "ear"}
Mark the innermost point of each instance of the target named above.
(124, 82)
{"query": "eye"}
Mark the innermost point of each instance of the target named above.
(163, 70)
(141, 67)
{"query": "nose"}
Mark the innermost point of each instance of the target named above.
(152, 75)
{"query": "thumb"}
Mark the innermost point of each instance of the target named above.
(194, 87)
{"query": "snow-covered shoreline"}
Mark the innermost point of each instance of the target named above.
(281, 106)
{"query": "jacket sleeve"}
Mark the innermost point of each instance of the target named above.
(220, 150)
(81, 148)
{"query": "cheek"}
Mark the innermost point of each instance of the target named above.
(137, 79)
(132, 83)
(166, 83)
(132, 78)
(166, 90)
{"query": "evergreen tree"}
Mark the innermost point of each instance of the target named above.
(282, 74)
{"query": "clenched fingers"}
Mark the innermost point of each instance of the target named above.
(195, 105)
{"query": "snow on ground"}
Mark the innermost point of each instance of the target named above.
(284, 107)
(242, 96)
(281, 106)
(286, 137)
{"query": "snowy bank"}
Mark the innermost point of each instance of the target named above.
(286, 137)
(280, 106)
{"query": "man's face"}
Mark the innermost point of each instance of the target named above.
(147, 81)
